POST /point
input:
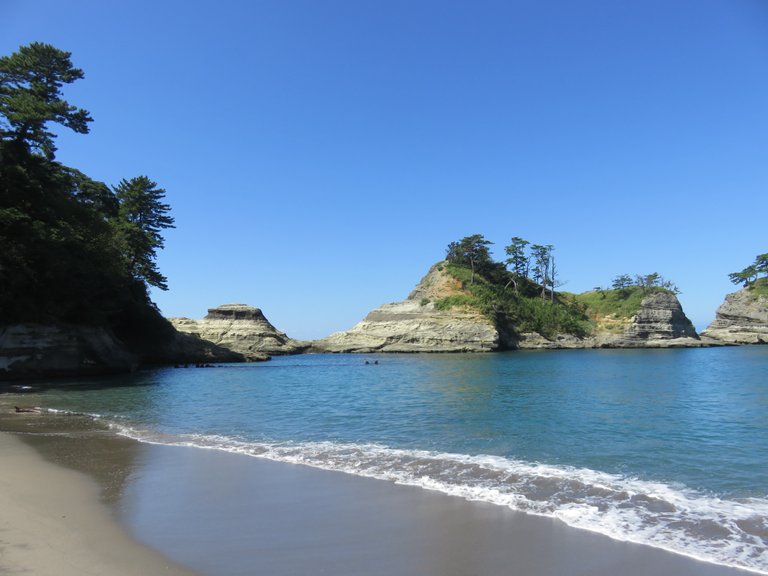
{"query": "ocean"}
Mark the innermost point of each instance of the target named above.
(667, 448)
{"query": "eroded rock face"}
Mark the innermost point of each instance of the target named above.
(242, 329)
(660, 323)
(43, 350)
(415, 325)
(741, 319)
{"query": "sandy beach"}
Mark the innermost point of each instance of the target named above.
(53, 522)
(81, 500)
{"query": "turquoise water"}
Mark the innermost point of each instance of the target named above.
(663, 447)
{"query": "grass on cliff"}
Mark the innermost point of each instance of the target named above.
(521, 311)
(758, 288)
(620, 304)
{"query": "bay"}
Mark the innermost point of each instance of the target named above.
(663, 447)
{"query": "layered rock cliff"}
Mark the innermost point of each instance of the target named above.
(242, 329)
(741, 319)
(659, 323)
(44, 350)
(65, 350)
(416, 325)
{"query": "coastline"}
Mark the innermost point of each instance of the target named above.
(54, 522)
(226, 514)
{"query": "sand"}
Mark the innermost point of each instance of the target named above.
(64, 488)
(53, 522)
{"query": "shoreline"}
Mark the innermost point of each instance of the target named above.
(54, 522)
(230, 514)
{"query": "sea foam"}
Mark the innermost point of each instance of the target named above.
(672, 517)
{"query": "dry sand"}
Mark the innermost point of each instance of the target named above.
(52, 522)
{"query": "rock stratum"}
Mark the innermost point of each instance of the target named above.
(34, 351)
(659, 323)
(741, 319)
(417, 325)
(242, 329)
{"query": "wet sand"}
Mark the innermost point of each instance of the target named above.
(53, 522)
(226, 514)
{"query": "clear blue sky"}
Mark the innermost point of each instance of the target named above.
(320, 155)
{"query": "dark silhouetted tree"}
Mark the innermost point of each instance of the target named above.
(30, 97)
(141, 216)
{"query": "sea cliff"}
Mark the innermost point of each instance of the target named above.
(34, 351)
(242, 329)
(742, 318)
(417, 325)
(421, 324)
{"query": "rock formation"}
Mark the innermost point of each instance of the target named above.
(741, 319)
(42, 350)
(63, 350)
(416, 325)
(242, 329)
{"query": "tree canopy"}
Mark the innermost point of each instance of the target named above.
(30, 97)
(472, 250)
(72, 249)
(751, 272)
(141, 216)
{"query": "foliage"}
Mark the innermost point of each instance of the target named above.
(758, 288)
(472, 251)
(71, 249)
(522, 309)
(751, 273)
(624, 282)
(518, 262)
(30, 97)
(620, 303)
(457, 300)
(534, 305)
(141, 216)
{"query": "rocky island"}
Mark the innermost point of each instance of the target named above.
(242, 329)
(417, 325)
(427, 322)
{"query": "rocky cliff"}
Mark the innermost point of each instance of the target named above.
(741, 319)
(64, 350)
(659, 323)
(242, 329)
(416, 325)
(42, 350)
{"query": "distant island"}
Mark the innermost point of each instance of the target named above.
(469, 302)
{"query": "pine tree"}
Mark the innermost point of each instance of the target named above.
(141, 217)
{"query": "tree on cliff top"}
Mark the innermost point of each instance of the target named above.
(751, 272)
(30, 97)
(472, 250)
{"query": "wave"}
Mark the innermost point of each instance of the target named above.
(672, 517)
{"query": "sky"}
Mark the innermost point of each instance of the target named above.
(319, 155)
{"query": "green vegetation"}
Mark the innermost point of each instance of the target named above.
(758, 288)
(71, 248)
(521, 297)
(751, 273)
(529, 306)
(621, 303)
